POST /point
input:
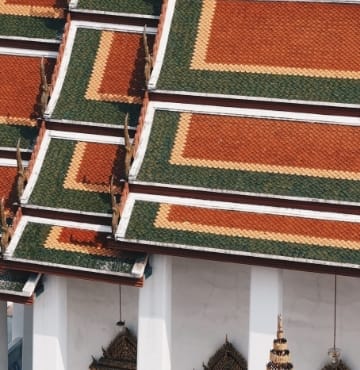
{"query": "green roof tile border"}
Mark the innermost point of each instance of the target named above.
(42, 155)
(56, 97)
(135, 272)
(136, 226)
(23, 284)
(157, 84)
(153, 107)
(31, 28)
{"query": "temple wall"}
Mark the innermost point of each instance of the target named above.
(93, 310)
(210, 300)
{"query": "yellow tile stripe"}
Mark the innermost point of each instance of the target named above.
(97, 75)
(162, 221)
(177, 158)
(30, 10)
(18, 121)
(201, 46)
(52, 242)
(71, 182)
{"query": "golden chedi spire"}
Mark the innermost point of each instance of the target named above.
(280, 355)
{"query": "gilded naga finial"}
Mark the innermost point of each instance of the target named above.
(148, 59)
(129, 148)
(45, 88)
(22, 172)
(6, 230)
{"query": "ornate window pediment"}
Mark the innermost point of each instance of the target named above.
(226, 358)
(120, 355)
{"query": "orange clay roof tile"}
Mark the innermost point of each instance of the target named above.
(20, 82)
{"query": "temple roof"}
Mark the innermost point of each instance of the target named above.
(223, 122)
(74, 172)
(53, 245)
(23, 19)
(138, 7)
(242, 48)
(90, 86)
(184, 224)
(18, 286)
(249, 151)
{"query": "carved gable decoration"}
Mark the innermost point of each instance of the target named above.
(226, 358)
(120, 355)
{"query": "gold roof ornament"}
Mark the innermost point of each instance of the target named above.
(120, 355)
(226, 357)
(280, 355)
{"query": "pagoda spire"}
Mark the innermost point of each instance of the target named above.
(279, 355)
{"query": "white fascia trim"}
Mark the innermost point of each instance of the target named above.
(227, 206)
(21, 38)
(119, 14)
(5, 162)
(92, 138)
(62, 71)
(254, 98)
(31, 284)
(226, 111)
(74, 25)
(246, 193)
(113, 27)
(36, 169)
(92, 124)
(162, 44)
(27, 52)
(125, 217)
(73, 4)
(242, 253)
(143, 142)
(139, 267)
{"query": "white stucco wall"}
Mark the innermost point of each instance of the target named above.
(93, 310)
(210, 300)
(309, 310)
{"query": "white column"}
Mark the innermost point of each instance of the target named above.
(50, 326)
(27, 347)
(17, 321)
(154, 330)
(3, 336)
(266, 291)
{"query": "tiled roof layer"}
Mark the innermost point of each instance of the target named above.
(256, 155)
(238, 47)
(245, 231)
(79, 174)
(105, 78)
(72, 247)
(8, 177)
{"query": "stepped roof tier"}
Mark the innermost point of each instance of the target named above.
(20, 90)
(241, 48)
(24, 20)
(18, 286)
(138, 8)
(241, 232)
(243, 151)
(78, 169)
(101, 77)
(80, 249)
